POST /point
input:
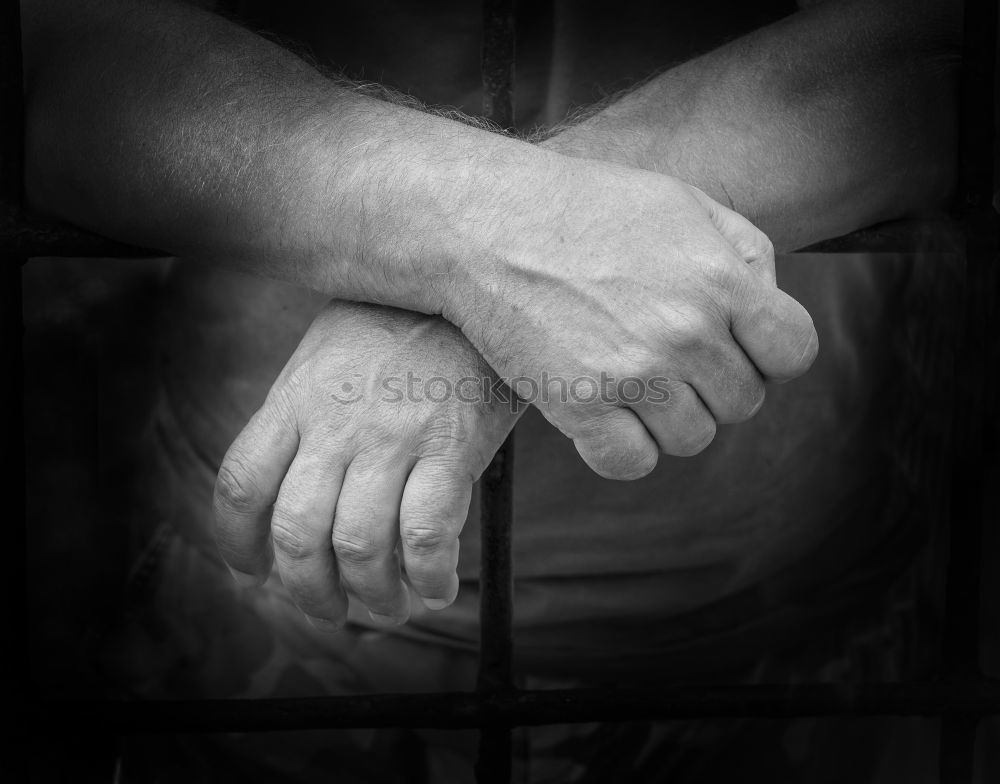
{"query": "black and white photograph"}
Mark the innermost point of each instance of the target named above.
(502, 391)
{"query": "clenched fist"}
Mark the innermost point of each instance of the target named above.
(602, 272)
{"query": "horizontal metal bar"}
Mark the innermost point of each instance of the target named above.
(908, 236)
(25, 235)
(457, 710)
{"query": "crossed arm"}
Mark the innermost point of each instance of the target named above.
(195, 136)
(347, 482)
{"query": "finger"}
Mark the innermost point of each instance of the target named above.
(774, 330)
(366, 532)
(677, 418)
(301, 529)
(435, 505)
(727, 382)
(749, 242)
(616, 444)
(245, 490)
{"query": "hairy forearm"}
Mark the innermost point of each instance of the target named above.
(835, 118)
(169, 127)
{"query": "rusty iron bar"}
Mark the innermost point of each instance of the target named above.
(496, 581)
(461, 710)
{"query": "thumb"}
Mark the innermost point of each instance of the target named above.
(749, 242)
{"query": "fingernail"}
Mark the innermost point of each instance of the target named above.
(245, 580)
(385, 620)
(324, 624)
(436, 604)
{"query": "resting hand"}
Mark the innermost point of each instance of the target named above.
(349, 468)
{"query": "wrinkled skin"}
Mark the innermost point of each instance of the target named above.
(361, 482)
(634, 275)
(784, 195)
(362, 478)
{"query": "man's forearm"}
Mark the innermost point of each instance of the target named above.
(166, 126)
(835, 118)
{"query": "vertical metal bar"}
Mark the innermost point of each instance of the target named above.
(958, 749)
(496, 572)
(12, 96)
(973, 372)
(974, 376)
(11, 179)
(496, 587)
(496, 582)
(498, 62)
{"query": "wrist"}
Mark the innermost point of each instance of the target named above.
(586, 141)
(425, 208)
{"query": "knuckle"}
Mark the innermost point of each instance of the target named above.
(290, 536)
(436, 507)
(755, 308)
(353, 547)
(720, 270)
(235, 489)
(444, 434)
(763, 247)
(425, 539)
(691, 331)
(767, 247)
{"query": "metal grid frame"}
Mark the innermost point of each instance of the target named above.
(961, 695)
